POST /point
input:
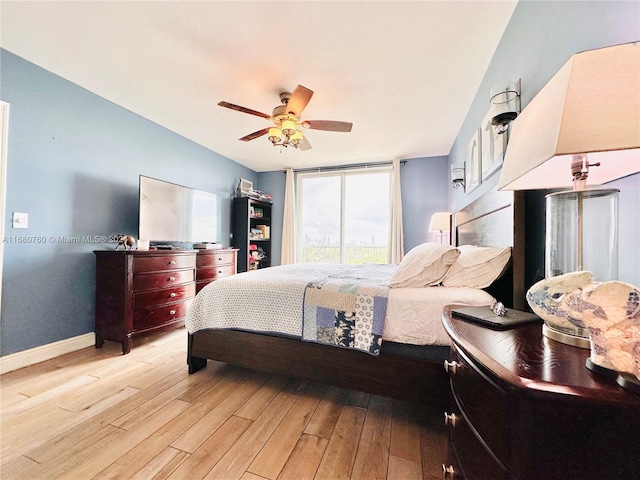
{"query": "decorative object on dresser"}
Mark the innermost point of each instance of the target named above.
(583, 123)
(214, 264)
(126, 241)
(610, 314)
(526, 408)
(139, 292)
(251, 232)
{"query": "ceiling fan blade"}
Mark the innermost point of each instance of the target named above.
(255, 135)
(238, 108)
(305, 145)
(299, 99)
(330, 125)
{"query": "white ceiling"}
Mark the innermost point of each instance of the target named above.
(405, 73)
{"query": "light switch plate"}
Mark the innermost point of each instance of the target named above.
(20, 220)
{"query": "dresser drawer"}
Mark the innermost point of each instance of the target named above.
(472, 459)
(215, 272)
(157, 298)
(215, 259)
(485, 405)
(149, 319)
(154, 263)
(150, 281)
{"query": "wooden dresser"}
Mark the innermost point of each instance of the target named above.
(526, 407)
(214, 264)
(139, 292)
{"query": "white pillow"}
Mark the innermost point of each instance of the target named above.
(477, 267)
(424, 265)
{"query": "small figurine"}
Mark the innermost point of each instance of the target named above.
(126, 241)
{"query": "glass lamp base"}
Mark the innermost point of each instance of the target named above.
(575, 339)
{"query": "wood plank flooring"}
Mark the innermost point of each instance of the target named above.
(99, 414)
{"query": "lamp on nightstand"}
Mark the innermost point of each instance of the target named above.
(441, 222)
(584, 123)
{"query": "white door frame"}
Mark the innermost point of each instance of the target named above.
(4, 142)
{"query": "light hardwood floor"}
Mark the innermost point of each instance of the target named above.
(99, 414)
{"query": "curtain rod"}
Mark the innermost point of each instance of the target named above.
(344, 167)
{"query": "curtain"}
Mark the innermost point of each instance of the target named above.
(288, 253)
(396, 248)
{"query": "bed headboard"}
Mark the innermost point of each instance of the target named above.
(496, 219)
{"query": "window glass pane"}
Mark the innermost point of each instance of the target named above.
(344, 217)
(366, 227)
(320, 210)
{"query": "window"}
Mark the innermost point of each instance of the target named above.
(344, 216)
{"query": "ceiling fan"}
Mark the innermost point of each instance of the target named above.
(286, 118)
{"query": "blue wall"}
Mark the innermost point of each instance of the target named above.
(540, 38)
(73, 164)
(425, 188)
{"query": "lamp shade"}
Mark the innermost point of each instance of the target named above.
(591, 106)
(440, 221)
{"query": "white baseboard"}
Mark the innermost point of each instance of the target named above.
(17, 360)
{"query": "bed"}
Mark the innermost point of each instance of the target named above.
(399, 369)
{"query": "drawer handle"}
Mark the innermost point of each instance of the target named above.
(173, 294)
(448, 472)
(172, 262)
(172, 279)
(219, 271)
(219, 259)
(172, 312)
(451, 367)
(450, 419)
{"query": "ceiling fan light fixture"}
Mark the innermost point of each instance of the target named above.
(288, 128)
(296, 138)
(274, 135)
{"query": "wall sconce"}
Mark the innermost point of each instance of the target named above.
(457, 175)
(505, 104)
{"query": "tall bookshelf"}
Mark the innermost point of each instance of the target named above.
(251, 232)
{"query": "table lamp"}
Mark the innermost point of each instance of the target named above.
(441, 221)
(583, 124)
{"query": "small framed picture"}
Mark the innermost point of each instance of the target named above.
(493, 147)
(472, 164)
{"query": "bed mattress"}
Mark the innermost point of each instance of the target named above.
(271, 300)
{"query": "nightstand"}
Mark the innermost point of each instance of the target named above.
(526, 407)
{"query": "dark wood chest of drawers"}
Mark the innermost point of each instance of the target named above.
(139, 292)
(214, 264)
(526, 407)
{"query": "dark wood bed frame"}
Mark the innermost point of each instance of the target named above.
(495, 219)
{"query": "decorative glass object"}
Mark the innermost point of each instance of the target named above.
(582, 233)
(581, 236)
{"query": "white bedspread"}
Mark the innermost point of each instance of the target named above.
(270, 300)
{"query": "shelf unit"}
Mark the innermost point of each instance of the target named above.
(251, 215)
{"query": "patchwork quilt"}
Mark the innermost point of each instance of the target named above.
(348, 309)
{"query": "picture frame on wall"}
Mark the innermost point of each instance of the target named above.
(472, 165)
(493, 146)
